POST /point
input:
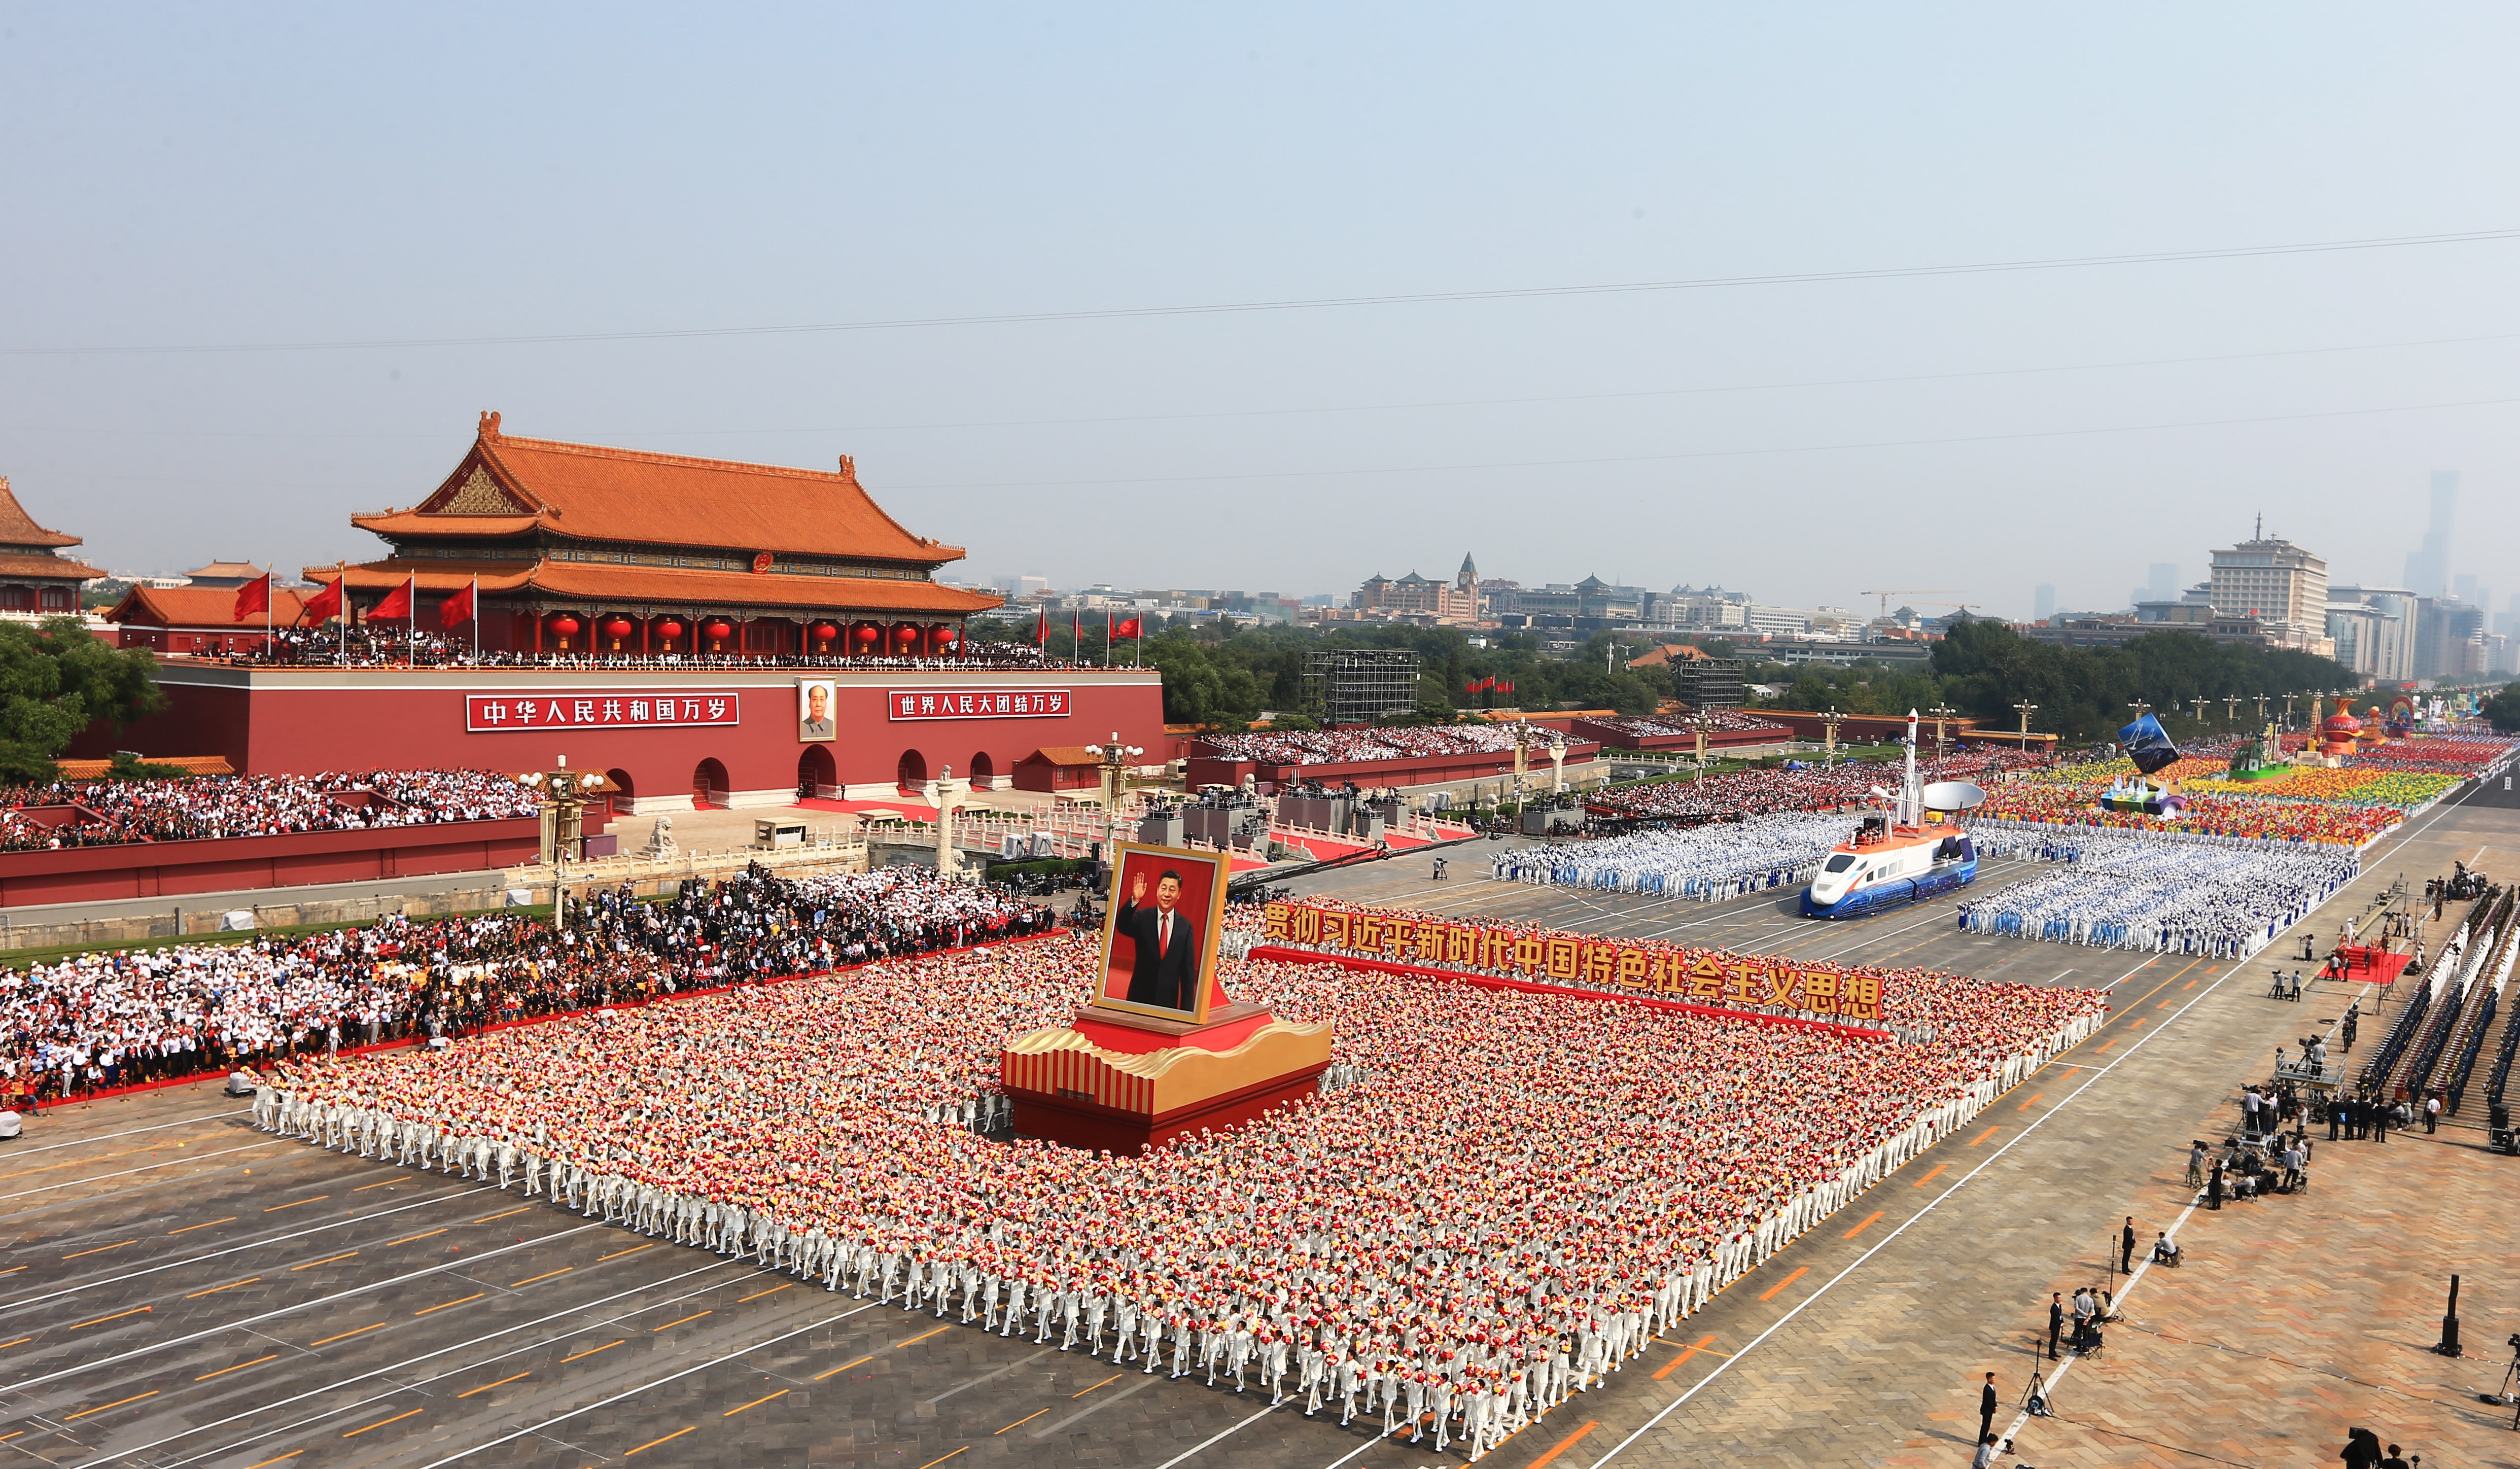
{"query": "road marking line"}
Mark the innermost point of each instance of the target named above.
(1858, 1229)
(216, 1289)
(385, 1184)
(408, 1238)
(1686, 1352)
(2097, 1049)
(545, 1276)
(1800, 1272)
(487, 1386)
(99, 1250)
(1104, 1383)
(426, 1309)
(276, 1208)
(485, 1219)
(189, 1228)
(117, 1316)
(135, 1398)
(844, 1367)
(327, 1260)
(20, 1342)
(1982, 1137)
(694, 1316)
(1929, 1178)
(2034, 1096)
(381, 1422)
(667, 1439)
(923, 1336)
(239, 1368)
(2138, 1022)
(1019, 1422)
(755, 1402)
(591, 1351)
(328, 1341)
(1564, 1444)
(290, 1455)
(617, 1254)
(932, 1463)
(142, 1168)
(757, 1294)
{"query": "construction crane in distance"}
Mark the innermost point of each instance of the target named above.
(1920, 592)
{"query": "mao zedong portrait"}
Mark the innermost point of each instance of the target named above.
(1163, 962)
(817, 724)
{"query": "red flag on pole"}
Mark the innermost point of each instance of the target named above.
(1040, 633)
(253, 597)
(324, 605)
(1128, 628)
(459, 608)
(397, 603)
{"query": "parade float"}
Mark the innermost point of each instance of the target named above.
(1911, 848)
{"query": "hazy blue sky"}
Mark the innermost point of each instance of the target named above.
(208, 175)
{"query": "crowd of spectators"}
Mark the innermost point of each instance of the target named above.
(201, 807)
(1355, 745)
(103, 1021)
(1793, 786)
(1462, 1235)
(1719, 722)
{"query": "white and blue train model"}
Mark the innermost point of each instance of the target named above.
(1911, 850)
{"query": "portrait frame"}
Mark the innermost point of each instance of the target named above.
(829, 690)
(1208, 870)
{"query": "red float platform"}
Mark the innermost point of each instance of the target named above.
(2375, 967)
(1125, 1083)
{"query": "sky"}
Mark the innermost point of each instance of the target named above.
(265, 265)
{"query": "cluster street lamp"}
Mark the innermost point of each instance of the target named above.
(1114, 759)
(567, 793)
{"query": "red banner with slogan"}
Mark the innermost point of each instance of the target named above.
(488, 713)
(979, 703)
(1702, 976)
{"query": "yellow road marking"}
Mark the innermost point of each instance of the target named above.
(819, 1376)
(406, 1239)
(1019, 1422)
(239, 1368)
(328, 1341)
(487, 1386)
(1858, 1229)
(921, 1337)
(667, 1439)
(1104, 1383)
(99, 1250)
(757, 1294)
(441, 1306)
(755, 1402)
(545, 1276)
(591, 1351)
(327, 1260)
(694, 1316)
(216, 1289)
(135, 1398)
(189, 1228)
(617, 1254)
(381, 1422)
(276, 1208)
(485, 1219)
(117, 1316)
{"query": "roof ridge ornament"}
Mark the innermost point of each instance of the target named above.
(489, 424)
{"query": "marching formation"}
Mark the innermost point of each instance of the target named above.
(1460, 1239)
(1706, 864)
(2155, 891)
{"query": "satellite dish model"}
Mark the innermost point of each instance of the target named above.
(1954, 795)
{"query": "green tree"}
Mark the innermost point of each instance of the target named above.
(2503, 709)
(54, 680)
(1201, 686)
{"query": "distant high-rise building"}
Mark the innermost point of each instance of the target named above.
(2045, 600)
(2279, 584)
(2428, 568)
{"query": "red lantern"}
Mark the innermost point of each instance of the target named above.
(866, 631)
(565, 625)
(823, 632)
(618, 626)
(718, 630)
(669, 630)
(905, 635)
(946, 637)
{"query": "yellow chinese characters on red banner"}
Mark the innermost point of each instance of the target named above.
(1704, 976)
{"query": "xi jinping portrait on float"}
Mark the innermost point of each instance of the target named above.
(1160, 946)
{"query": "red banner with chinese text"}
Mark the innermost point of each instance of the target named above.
(1702, 976)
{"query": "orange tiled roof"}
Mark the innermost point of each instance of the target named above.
(18, 528)
(45, 568)
(1061, 754)
(199, 606)
(599, 584)
(506, 486)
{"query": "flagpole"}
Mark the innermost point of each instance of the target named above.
(476, 619)
(266, 613)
